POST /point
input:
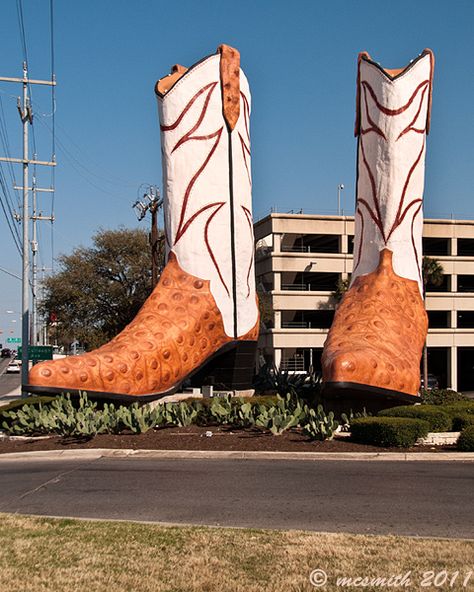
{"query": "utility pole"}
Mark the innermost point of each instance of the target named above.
(34, 251)
(34, 340)
(152, 203)
(26, 116)
(154, 244)
(44, 328)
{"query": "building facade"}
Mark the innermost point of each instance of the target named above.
(300, 259)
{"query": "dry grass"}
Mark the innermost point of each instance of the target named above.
(57, 555)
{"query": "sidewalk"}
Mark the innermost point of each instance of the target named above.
(96, 453)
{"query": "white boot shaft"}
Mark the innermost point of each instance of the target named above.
(393, 111)
(207, 189)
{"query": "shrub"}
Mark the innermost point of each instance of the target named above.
(388, 431)
(440, 397)
(437, 419)
(462, 420)
(466, 439)
(459, 407)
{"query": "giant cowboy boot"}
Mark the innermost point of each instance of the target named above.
(375, 344)
(201, 320)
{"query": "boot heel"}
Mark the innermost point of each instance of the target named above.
(229, 370)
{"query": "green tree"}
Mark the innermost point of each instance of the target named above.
(265, 306)
(341, 288)
(99, 289)
(432, 272)
(433, 275)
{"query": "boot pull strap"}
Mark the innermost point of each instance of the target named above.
(230, 84)
(430, 96)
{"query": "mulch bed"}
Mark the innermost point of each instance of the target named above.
(195, 438)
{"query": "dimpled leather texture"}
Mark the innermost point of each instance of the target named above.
(178, 328)
(378, 332)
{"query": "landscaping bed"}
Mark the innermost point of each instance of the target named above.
(194, 438)
(272, 423)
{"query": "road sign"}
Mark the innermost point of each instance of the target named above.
(38, 352)
(13, 339)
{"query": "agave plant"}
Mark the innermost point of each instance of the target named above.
(272, 378)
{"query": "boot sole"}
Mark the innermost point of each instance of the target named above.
(230, 368)
(344, 396)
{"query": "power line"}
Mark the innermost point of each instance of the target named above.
(6, 144)
(9, 208)
(21, 23)
(61, 143)
(77, 166)
(6, 193)
(7, 217)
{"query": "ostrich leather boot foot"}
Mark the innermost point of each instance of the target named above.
(179, 331)
(201, 321)
(376, 341)
(377, 336)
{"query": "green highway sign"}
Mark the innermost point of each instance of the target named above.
(13, 339)
(38, 352)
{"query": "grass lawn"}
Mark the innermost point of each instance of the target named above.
(38, 554)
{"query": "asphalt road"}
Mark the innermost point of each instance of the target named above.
(406, 498)
(8, 382)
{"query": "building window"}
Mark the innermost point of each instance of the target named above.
(465, 283)
(436, 246)
(292, 361)
(439, 319)
(466, 247)
(445, 285)
(465, 319)
(350, 244)
(307, 319)
(311, 243)
(309, 281)
(302, 359)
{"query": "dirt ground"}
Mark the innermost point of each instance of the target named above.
(200, 438)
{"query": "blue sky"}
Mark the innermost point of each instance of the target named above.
(300, 58)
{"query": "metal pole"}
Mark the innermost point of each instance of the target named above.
(340, 187)
(25, 219)
(34, 251)
(154, 245)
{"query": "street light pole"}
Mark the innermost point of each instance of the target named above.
(340, 187)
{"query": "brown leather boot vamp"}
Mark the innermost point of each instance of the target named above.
(178, 328)
(378, 333)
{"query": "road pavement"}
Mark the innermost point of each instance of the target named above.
(9, 383)
(404, 498)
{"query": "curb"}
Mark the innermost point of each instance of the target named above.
(97, 453)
